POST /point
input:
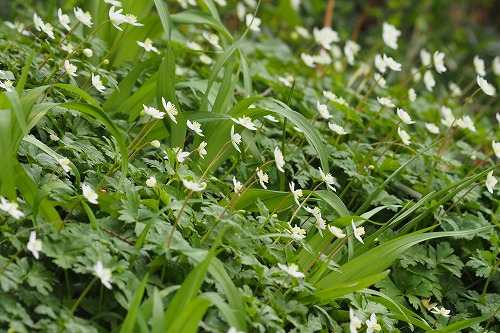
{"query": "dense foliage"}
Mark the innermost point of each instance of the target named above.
(223, 166)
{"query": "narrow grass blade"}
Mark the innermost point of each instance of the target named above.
(129, 323)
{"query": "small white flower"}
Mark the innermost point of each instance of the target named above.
(322, 58)
(63, 19)
(201, 149)
(405, 117)
(308, 60)
(89, 193)
(34, 245)
(286, 81)
(372, 324)
(495, 66)
(7, 85)
(412, 95)
(479, 66)
(116, 17)
(19, 27)
(425, 57)
(195, 127)
(325, 37)
(97, 83)
(336, 231)
(491, 181)
(67, 47)
(88, 52)
(11, 208)
(237, 186)
(354, 322)
(221, 3)
(429, 80)
(297, 232)
(151, 182)
(194, 46)
(323, 110)
(380, 79)
(302, 32)
(38, 22)
(496, 147)
(148, 45)
(293, 270)
(49, 30)
(155, 143)
(245, 122)
(328, 179)
(455, 89)
(180, 155)
(271, 119)
(235, 139)
(391, 63)
(253, 23)
(213, 39)
(416, 75)
(132, 20)
(358, 232)
(386, 102)
(380, 63)
(487, 88)
(154, 113)
(263, 178)
(432, 128)
(297, 193)
(64, 162)
(337, 129)
(104, 274)
(469, 124)
(205, 59)
(390, 35)
(405, 137)
(70, 68)
(351, 49)
(194, 186)
(280, 161)
(441, 311)
(83, 17)
(439, 62)
(170, 109)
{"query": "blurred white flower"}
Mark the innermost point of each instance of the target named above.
(391, 63)
(152, 112)
(323, 110)
(372, 325)
(286, 81)
(180, 155)
(454, 89)
(308, 60)
(201, 149)
(132, 20)
(64, 19)
(205, 59)
(194, 186)
(429, 80)
(195, 127)
(303, 32)
(384, 101)
(479, 66)
(293, 270)
(280, 161)
(425, 57)
(194, 46)
(496, 148)
(491, 181)
(390, 35)
(155, 143)
(297, 193)
(432, 128)
(412, 95)
(70, 68)
(11, 208)
(325, 37)
(104, 274)
(336, 231)
(170, 109)
(67, 47)
(245, 122)
(38, 22)
(49, 30)
(64, 162)
(297, 232)
(34, 245)
(351, 49)
(83, 17)
(253, 23)
(322, 58)
(358, 232)
(405, 117)
(354, 322)
(441, 311)
(88, 52)
(439, 62)
(337, 129)
(405, 137)
(263, 178)
(487, 88)
(89, 193)
(495, 66)
(469, 123)
(116, 17)
(237, 186)
(97, 83)
(235, 139)
(7, 85)
(380, 63)
(148, 45)
(151, 182)
(113, 3)
(213, 39)
(380, 79)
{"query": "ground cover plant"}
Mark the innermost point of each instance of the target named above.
(246, 166)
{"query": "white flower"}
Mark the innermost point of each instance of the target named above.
(88, 52)
(405, 117)
(85, 18)
(280, 161)
(63, 19)
(386, 102)
(194, 46)
(439, 62)
(405, 137)
(245, 122)
(416, 75)
(328, 179)
(195, 127)
(325, 37)
(104, 274)
(293, 270)
(49, 30)
(116, 18)
(154, 113)
(491, 181)
(213, 39)
(322, 58)
(323, 110)
(19, 27)
(351, 49)
(271, 119)
(194, 186)
(237, 186)
(297, 232)
(432, 128)
(151, 182)
(132, 20)
(70, 68)
(205, 59)
(297, 193)
(495, 66)
(67, 47)
(429, 80)
(380, 79)
(38, 22)
(235, 139)
(97, 83)
(391, 63)
(170, 108)
(308, 60)
(425, 57)
(358, 232)
(155, 143)
(286, 81)
(253, 23)
(34, 245)
(201, 149)
(487, 88)
(113, 3)
(10, 208)
(469, 124)
(337, 129)
(337, 232)
(354, 322)
(180, 155)
(148, 45)
(479, 66)
(412, 95)
(89, 193)
(390, 35)
(64, 162)
(441, 311)
(302, 32)
(498, 118)
(263, 178)
(7, 85)
(380, 63)
(372, 324)
(455, 89)
(221, 3)
(496, 147)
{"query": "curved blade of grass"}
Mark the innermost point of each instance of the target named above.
(7, 183)
(334, 201)
(188, 320)
(159, 325)
(128, 325)
(193, 16)
(19, 128)
(461, 325)
(21, 81)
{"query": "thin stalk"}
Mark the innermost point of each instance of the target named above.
(78, 301)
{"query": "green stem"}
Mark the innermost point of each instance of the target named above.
(78, 301)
